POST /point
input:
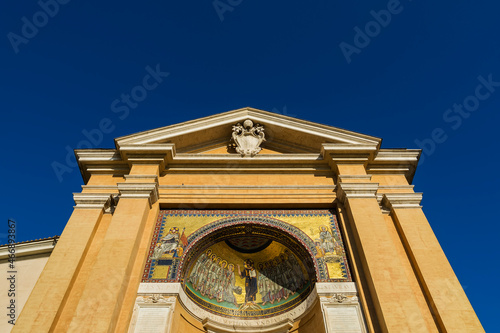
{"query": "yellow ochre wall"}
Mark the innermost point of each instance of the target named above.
(404, 280)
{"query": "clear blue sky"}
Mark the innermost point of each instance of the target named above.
(385, 68)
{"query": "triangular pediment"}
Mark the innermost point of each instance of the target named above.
(214, 144)
(212, 135)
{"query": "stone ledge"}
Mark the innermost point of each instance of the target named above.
(356, 191)
(92, 201)
(139, 191)
(402, 200)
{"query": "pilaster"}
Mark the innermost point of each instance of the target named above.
(445, 295)
(47, 299)
(394, 301)
(103, 294)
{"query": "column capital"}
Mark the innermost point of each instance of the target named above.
(402, 200)
(139, 191)
(93, 201)
(356, 191)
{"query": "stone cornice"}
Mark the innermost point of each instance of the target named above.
(93, 200)
(249, 187)
(111, 162)
(332, 146)
(100, 161)
(356, 191)
(29, 248)
(348, 153)
(148, 154)
(402, 200)
(257, 116)
(395, 161)
(139, 191)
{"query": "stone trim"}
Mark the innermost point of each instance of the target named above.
(348, 153)
(93, 201)
(142, 177)
(339, 298)
(160, 288)
(258, 116)
(248, 187)
(333, 288)
(328, 293)
(356, 191)
(249, 325)
(278, 327)
(45, 246)
(396, 187)
(139, 191)
(347, 178)
(402, 200)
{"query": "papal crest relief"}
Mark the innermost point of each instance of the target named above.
(248, 138)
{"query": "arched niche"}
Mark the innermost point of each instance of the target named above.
(277, 268)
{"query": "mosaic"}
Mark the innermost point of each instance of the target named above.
(180, 237)
(238, 284)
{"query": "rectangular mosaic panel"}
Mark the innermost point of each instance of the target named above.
(175, 230)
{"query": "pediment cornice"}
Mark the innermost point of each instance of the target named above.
(209, 129)
(300, 146)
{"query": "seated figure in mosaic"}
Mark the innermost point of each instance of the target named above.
(167, 244)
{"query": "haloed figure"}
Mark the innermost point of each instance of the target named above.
(250, 275)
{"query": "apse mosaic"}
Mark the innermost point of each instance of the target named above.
(258, 282)
(312, 237)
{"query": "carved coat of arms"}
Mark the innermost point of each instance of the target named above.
(248, 138)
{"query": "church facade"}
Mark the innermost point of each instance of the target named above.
(247, 221)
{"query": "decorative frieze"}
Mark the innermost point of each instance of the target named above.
(332, 288)
(155, 299)
(160, 288)
(339, 298)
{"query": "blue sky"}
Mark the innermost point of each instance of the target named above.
(419, 74)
